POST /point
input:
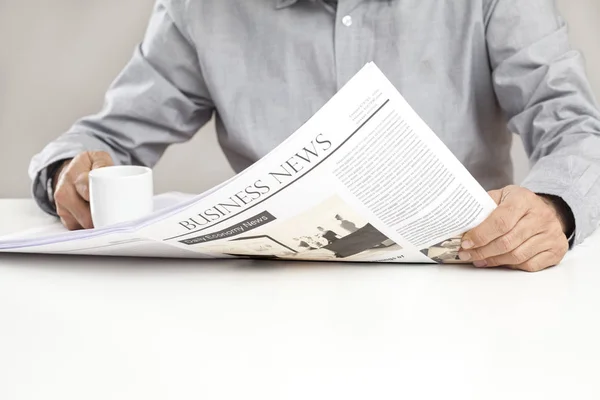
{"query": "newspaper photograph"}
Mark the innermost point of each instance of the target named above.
(331, 230)
(364, 180)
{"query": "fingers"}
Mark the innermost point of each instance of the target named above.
(89, 161)
(67, 219)
(72, 190)
(539, 262)
(80, 210)
(552, 243)
(524, 232)
(502, 220)
(526, 228)
(82, 185)
(526, 251)
(496, 195)
(73, 210)
(99, 159)
(70, 223)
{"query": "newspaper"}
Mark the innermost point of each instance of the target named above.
(364, 180)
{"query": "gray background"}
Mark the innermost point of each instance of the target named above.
(57, 57)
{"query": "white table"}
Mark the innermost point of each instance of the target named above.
(100, 328)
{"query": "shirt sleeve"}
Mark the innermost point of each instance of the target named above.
(160, 98)
(541, 84)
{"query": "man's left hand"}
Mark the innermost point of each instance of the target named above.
(526, 232)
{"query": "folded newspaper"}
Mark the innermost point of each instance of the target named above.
(365, 179)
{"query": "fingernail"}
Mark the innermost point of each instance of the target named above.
(464, 256)
(480, 264)
(467, 244)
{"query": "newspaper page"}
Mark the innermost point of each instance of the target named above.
(365, 179)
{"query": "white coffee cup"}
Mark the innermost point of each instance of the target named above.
(120, 194)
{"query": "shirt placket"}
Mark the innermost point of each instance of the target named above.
(348, 40)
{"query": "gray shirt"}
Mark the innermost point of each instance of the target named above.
(472, 69)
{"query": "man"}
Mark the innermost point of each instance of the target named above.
(469, 68)
(346, 225)
(328, 235)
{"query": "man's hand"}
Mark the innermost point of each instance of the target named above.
(526, 232)
(71, 190)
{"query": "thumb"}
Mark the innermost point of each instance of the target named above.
(496, 195)
(82, 185)
(96, 159)
(100, 159)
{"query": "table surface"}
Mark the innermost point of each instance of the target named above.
(115, 328)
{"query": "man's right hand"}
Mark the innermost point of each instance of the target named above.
(71, 188)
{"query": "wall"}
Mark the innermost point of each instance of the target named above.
(58, 57)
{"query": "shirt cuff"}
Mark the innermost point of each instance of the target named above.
(549, 177)
(565, 214)
(571, 238)
(42, 190)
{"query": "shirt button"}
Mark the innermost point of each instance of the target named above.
(347, 20)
